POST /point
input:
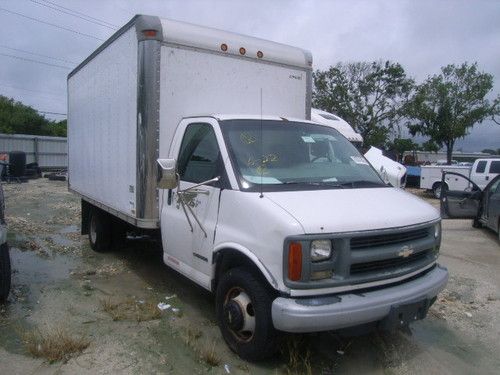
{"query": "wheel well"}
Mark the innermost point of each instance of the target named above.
(437, 183)
(226, 259)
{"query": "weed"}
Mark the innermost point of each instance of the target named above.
(131, 310)
(299, 356)
(209, 356)
(190, 336)
(54, 346)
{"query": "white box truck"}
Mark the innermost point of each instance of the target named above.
(202, 137)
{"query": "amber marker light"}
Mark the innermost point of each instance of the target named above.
(242, 51)
(294, 261)
(149, 33)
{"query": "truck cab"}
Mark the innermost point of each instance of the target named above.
(277, 217)
(484, 170)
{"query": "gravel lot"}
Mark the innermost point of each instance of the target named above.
(104, 305)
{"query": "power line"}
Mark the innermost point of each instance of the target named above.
(31, 90)
(81, 14)
(74, 15)
(51, 24)
(34, 61)
(37, 54)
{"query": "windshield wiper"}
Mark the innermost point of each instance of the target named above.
(314, 183)
(363, 183)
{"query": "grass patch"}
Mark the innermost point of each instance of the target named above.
(298, 356)
(54, 346)
(209, 355)
(131, 310)
(190, 336)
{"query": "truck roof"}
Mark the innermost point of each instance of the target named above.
(223, 117)
(209, 39)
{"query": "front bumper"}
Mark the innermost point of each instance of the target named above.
(326, 313)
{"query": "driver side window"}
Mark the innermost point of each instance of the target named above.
(199, 154)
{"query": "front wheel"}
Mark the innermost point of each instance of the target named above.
(243, 307)
(4, 272)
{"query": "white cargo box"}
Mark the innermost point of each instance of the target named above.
(126, 99)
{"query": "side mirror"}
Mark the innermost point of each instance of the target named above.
(167, 176)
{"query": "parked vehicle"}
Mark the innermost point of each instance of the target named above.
(4, 252)
(484, 170)
(431, 175)
(481, 205)
(391, 171)
(202, 137)
(481, 172)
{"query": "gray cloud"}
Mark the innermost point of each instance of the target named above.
(421, 35)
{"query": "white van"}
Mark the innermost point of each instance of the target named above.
(202, 137)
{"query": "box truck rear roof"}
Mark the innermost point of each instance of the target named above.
(210, 39)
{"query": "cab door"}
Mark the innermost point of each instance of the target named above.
(460, 204)
(491, 204)
(189, 213)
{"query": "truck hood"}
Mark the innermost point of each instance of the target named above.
(346, 210)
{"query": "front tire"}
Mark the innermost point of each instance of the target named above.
(99, 231)
(4, 272)
(243, 307)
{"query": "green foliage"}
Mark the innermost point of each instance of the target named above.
(17, 118)
(490, 151)
(430, 146)
(369, 96)
(401, 145)
(447, 105)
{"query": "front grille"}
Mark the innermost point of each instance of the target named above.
(388, 239)
(388, 264)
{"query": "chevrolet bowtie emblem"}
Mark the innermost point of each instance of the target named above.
(405, 252)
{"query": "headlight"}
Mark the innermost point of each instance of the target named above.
(320, 250)
(437, 230)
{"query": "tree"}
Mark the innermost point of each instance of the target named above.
(367, 95)
(17, 118)
(400, 145)
(430, 146)
(448, 104)
(489, 151)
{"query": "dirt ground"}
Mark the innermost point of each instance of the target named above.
(105, 305)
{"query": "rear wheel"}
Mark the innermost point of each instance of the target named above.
(4, 272)
(99, 231)
(436, 190)
(243, 305)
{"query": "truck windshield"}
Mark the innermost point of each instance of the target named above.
(284, 155)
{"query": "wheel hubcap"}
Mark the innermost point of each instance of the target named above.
(239, 314)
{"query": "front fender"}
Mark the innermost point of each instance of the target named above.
(250, 255)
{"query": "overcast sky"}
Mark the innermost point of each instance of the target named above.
(421, 35)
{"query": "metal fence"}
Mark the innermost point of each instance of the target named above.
(48, 152)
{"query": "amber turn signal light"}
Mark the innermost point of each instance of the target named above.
(294, 261)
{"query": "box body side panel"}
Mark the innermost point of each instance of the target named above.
(102, 126)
